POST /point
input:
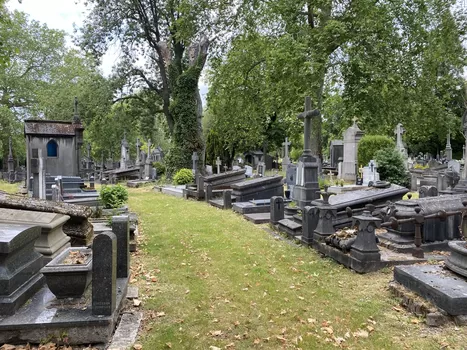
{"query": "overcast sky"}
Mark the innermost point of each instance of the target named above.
(62, 14)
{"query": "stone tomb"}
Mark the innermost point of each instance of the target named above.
(90, 319)
(219, 182)
(435, 232)
(52, 239)
(260, 188)
(19, 266)
(356, 200)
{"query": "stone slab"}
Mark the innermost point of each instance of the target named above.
(132, 292)
(258, 218)
(249, 208)
(45, 315)
(127, 331)
(173, 191)
(443, 288)
(289, 226)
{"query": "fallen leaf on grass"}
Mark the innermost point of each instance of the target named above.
(370, 328)
(169, 345)
(212, 347)
(136, 302)
(160, 314)
(280, 338)
(230, 346)
(361, 333)
(398, 309)
(215, 333)
(311, 320)
(415, 321)
(137, 346)
(327, 330)
(257, 341)
(7, 347)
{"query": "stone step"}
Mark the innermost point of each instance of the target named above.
(290, 227)
(258, 218)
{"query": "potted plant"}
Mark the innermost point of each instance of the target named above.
(69, 273)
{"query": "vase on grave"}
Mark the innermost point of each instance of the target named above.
(69, 274)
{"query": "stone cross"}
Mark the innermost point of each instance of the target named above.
(448, 147)
(399, 131)
(306, 115)
(286, 159)
(195, 159)
(218, 163)
(149, 152)
(138, 151)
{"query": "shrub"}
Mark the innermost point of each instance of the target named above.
(369, 145)
(391, 167)
(113, 196)
(160, 168)
(183, 177)
(295, 153)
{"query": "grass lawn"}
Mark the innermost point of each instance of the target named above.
(9, 188)
(209, 279)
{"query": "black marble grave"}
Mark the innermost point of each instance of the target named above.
(443, 288)
(19, 266)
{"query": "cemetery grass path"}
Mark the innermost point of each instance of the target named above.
(207, 277)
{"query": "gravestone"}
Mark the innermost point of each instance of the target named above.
(195, 159)
(227, 197)
(306, 185)
(124, 153)
(19, 266)
(336, 150)
(260, 188)
(455, 166)
(218, 164)
(276, 209)
(310, 218)
(104, 273)
(399, 130)
(286, 159)
(291, 177)
(261, 169)
(370, 173)
(121, 229)
(448, 150)
(147, 163)
(248, 171)
(352, 137)
(209, 170)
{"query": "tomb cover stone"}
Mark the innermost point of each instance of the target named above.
(260, 188)
(19, 265)
(52, 240)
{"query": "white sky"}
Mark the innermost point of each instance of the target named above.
(61, 14)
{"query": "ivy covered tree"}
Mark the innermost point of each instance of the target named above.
(164, 47)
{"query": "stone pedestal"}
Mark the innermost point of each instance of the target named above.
(365, 249)
(352, 137)
(121, 229)
(52, 240)
(227, 197)
(306, 185)
(325, 227)
(19, 266)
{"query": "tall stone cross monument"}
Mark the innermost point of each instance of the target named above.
(286, 160)
(448, 147)
(306, 185)
(399, 144)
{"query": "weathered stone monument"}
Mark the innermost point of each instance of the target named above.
(399, 130)
(124, 153)
(306, 186)
(352, 137)
(448, 149)
(286, 159)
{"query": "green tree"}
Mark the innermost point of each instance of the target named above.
(164, 48)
